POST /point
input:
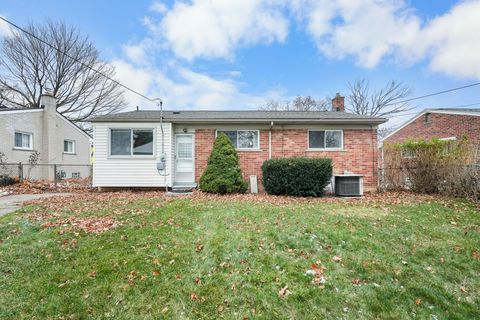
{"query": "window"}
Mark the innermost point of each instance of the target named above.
(408, 153)
(127, 142)
(23, 140)
(68, 146)
(428, 117)
(325, 139)
(243, 139)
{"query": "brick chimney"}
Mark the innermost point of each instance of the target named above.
(338, 103)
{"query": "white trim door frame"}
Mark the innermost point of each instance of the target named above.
(184, 159)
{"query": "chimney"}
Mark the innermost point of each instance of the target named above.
(338, 103)
(52, 145)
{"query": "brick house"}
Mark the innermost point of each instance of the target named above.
(145, 149)
(439, 123)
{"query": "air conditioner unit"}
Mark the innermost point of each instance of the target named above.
(348, 185)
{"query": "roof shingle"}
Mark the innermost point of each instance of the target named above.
(238, 116)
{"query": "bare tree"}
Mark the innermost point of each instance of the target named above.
(300, 103)
(382, 103)
(29, 67)
(384, 131)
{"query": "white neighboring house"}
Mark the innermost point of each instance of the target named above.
(26, 131)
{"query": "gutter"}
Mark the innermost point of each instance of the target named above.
(255, 121)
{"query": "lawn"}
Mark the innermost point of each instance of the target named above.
(131, 255)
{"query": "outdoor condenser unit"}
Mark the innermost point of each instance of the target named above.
(349, 185)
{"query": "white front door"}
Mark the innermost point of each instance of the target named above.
(184, 159)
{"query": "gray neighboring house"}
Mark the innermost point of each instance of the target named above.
(58, 141)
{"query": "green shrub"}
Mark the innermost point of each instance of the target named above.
(223, 174)
(6, 180)
(306, 177)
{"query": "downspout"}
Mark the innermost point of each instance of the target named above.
(373, 153)
(270, 141)
(161, 165)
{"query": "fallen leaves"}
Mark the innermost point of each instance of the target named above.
(317, 270)
(337, 259)
(476, 254)
(377, 199)
(94, 225)
(43, 186)
(284, 292)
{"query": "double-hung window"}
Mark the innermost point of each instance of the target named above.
(23, 140)
(68, 146)
(325, 139)
(131, 142)
(243, 139)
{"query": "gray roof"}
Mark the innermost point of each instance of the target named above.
(250, 116)
(5, 108)
(474, 110)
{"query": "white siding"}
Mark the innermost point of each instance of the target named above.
(131, 171)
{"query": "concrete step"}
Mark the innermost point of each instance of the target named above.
(183, 188)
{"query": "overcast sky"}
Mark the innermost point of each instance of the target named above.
(235, 54)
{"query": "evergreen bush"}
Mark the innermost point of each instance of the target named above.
(223, 174)
(306, 177)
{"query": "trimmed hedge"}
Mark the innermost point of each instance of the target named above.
(305, 177)
(223, 174)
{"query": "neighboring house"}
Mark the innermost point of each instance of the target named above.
(130, 146)
(442, 123)
(26, 131)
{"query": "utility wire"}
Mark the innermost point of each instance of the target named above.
(78, 61)
(435, 94)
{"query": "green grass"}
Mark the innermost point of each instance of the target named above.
(197, 259)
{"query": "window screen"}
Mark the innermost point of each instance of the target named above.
(242, 139)
(325, 139)
(316, 139)
(232, 135)
(68, 146)
(23, 140)
(120, 142)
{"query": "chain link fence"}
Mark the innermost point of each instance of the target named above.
(56, 174)
(458, 180)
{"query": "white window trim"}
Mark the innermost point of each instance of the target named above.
(325, 144)
(131, 155)
(449, 139)
(30, 140)
(74, 147)
(243, 149)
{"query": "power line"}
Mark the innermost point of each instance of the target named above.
(435, 94)
(78, 61)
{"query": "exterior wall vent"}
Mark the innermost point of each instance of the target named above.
(348, 185)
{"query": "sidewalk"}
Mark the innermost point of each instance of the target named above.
(12, 203)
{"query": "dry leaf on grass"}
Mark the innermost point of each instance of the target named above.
(336, 259)
(95, 225)
(284, 292)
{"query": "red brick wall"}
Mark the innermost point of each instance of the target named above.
(359, 154)
(441, 126)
